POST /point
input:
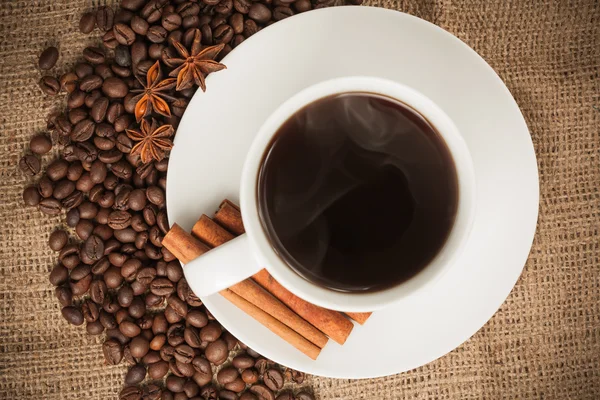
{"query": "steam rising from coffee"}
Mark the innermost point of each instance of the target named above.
(339, 157)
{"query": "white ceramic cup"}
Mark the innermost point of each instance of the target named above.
(247, 254)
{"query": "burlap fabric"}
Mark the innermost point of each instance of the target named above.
(543, 343)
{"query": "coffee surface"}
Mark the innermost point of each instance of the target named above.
(357, 192)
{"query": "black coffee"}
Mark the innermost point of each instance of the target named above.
(358, 192)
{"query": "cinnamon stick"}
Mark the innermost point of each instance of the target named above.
(256, 295)
(360, 317)
(332, 323)
(275, 326)
(210, 232)
(256, 301)
(230, 217)
(183, 245)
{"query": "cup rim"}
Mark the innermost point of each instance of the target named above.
(267, 257)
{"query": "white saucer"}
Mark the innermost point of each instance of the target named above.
(219, 125)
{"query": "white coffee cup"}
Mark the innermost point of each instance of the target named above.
(247, 254)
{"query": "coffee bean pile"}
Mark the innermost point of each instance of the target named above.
(112, 272)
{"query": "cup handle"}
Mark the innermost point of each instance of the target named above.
(221, 267)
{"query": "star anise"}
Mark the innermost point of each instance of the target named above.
(153, 95)
(195, 64)
(153, 142)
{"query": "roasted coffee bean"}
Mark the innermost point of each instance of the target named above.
(156, 34)
(139, 26)
(184, 354)
(130, 268)
(197, 318)
(171, 315)
(107, 320)
(131, 393)
(73, 315)
(90, 310)
(122, 57)
(112, 276)
(250, 28)
(30, 165)
(83, 69)
(250, 396)
(74, 171)
(115, 87)
(237, 385)
(175, 334)
(189, 22)
(304, 396)
(159, 324)
(40, 144)
(93, 55)
(98, 111)
(139, 346)
(171, 21)
(48, 58)
(83, 131)
(260, 13)
(175, 383)
(250, 376)
(105, 233)
(93, 247)
(94, 95)
(77, 115)
(262, 392)
(63, 188)
(137, 308)
(158, 370)
(177, 305)
(211, 332)
(135, 375)
(280, 13)
(64, 295)
(161, 286)
(75, 99)
(72, 217)
(189, 8)
(129, 329)
(192, 337)
(216, 352)
(31, 196)
(273, 379)
(80, 272)
(206, 34)
(132, 5)
(104, 71)
(243, 361)
(242, 6)
(50, 206)
(87, 22)
(84, 228)
(119, 219)
(59, 275)
(122, 169)
(58, 239)
(80, 287)
(94, 328)
(73, 200)
(57, 170)
(261, 364)
(105, 18)
(113, 351)
(227, 375)
(90, 83)
(223, 34)
(209, 392)
(155, 52)
(68, 82)
(49, 85)
(109, 40)
(98, 291)
(158, 342)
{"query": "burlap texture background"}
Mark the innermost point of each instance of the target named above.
(544, 342)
